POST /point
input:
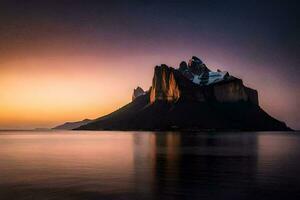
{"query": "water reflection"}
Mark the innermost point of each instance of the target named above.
(148, 165)
(196, 166)
(49, 164)
(278, 163)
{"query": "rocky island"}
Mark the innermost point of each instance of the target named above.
(190, 97)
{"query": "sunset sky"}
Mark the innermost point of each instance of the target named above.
(70, 60)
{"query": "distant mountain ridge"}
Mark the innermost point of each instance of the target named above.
(191, 97)
(72, 125)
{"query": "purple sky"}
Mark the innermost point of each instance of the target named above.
(256, 41)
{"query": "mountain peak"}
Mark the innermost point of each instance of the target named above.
(137, 92)
(195, 81)
(191, 97)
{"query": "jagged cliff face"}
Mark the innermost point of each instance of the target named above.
(235, 91)
(230, 92)
(196, 82)
(164, 85)
(190, 98)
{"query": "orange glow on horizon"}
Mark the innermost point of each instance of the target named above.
(46, 92)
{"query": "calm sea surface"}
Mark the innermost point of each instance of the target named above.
(149, 165)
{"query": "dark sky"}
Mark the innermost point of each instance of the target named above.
(245, 26)
(257, 40)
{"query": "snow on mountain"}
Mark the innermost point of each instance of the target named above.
(198, 73)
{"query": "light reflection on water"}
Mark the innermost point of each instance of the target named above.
(148, 165)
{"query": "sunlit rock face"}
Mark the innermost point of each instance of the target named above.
(164, 85)
(190, 98)
(194, 81)
(137, 92)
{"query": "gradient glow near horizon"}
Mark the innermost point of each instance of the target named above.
(73, 60)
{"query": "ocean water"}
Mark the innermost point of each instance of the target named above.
(149, 165)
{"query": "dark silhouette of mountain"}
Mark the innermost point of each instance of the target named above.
(191, 97)
(72, 125)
